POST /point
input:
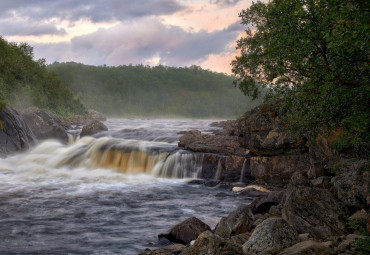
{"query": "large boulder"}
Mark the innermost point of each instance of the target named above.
(15, 135)
(313, 210)
(270, 237)
(237, 222)
(225, 145)
(85, 119)
(351, 186)
(210, 244)
(264, 132)
(186, 231)
(277, 170)
(93, 127)
(44, 124)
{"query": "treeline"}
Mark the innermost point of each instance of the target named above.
(25, 82)
(154, 91)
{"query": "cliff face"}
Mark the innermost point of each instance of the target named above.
(14, 132)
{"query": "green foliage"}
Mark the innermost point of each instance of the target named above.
(25, 82)
(154, 91)
(363, 245)
(315, 56)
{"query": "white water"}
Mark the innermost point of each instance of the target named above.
(110, 194)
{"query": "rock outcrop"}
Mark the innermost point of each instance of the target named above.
(313, 210)
(44, 124)
(92, 128)
(80, 120)
(270, 237)
(15, 135)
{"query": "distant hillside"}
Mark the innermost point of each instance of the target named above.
(25, 82)
(154, 91)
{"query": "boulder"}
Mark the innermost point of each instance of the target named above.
(225, 145)
(85, 119)
(92, 128)
(352, 185)
(264, 203)
(309, 247)
(210, 244)
(270, 237)
(186, 231)
(277, 170)
(44, 124)
(237, 222)
(15, 135)
(156, 252)
(313, 210)
(241, 238)
(264, 132)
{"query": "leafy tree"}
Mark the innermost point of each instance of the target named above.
(315, 56)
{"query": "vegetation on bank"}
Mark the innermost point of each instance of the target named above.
(25, 82)
(154, 91)
(315, 55)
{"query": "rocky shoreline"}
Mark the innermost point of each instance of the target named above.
(307, 199)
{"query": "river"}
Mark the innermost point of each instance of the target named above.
(108, 194)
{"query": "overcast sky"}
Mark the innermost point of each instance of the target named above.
(122, 32)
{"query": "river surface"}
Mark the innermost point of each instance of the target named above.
(108, 194)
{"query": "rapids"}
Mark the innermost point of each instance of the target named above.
(108, 194)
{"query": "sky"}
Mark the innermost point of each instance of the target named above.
(122, 32)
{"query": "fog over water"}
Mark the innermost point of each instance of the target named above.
(109, 194)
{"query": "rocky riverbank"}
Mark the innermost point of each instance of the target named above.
(308, 200)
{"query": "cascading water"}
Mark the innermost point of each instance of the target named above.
(112, 193)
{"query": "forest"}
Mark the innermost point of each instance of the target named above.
(25, 82)
(160, 91)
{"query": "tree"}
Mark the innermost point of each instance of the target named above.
(315, 56)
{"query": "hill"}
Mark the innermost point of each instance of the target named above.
(154, 91)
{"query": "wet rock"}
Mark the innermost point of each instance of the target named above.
(277, 170)
(15, 135)
(225, 145)
(312, 210)
(352, 185)
(210, 244)
(270, 237)
(309, 247)
(237, 222)
(186, 231)
(44, 124)
(264, 203)
(92, 128)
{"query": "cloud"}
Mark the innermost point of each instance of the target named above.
(224, 2)
(140, 42)
(24, 28)
(96, 11)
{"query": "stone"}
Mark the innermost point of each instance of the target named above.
(241, 238)
(45, 125)
(186, 231)
(237, 222)
(265, 134)
(92, 128)
(15, 134)
(304, 237)
(275, 210)
(225, 145)
(278, 170)
(352, 185)
(176, 248)
(85, 119)
(312, 210)
(264, 203)
(322, 182)
(309, 247)
(210, 244)
(270, 237)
